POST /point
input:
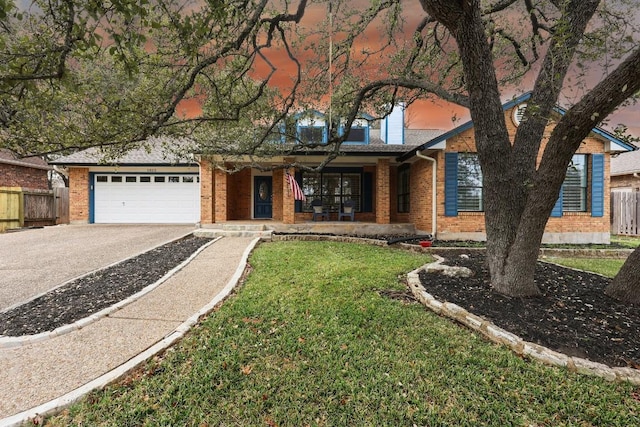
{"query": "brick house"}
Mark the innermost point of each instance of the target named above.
(29, 173)
(425, 178)
(625, 172)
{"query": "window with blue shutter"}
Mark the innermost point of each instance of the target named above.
(597, 185)
(451, 184)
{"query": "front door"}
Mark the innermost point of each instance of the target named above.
(263, 197)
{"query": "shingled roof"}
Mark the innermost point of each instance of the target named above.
(625, 163)
(8, 157)
(157, 151)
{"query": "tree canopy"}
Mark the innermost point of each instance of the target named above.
(77, 74)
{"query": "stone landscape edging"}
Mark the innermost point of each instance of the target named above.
(11, 341)
(485, 327)
(54, 406)
(512, 341)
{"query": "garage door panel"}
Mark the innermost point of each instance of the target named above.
(146, 202)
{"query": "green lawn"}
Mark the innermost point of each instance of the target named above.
(627, 241)
(606, 266)
(308, 341)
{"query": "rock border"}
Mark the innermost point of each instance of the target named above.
(512, 341)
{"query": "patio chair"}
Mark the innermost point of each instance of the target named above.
(348, 210)
(319, 211)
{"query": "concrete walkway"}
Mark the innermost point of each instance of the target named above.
(34, 261)
(41, 377)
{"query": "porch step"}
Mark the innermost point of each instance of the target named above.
(234, 230)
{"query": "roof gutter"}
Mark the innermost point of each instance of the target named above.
(434, 205)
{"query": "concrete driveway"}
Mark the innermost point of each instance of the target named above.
(34, 261)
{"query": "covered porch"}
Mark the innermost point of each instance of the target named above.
(266, 197)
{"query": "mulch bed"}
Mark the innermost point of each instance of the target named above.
(573, 316)
(90, 294)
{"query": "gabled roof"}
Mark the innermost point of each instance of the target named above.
(623, 146)
(158, 154)
(625, 163)
(9, 158)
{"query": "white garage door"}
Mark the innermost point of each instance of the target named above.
(151, 199)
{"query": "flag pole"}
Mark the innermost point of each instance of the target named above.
(330, 65)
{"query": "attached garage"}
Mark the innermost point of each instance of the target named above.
(154, 184)
(145, 198)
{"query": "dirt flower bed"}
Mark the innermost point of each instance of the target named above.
(573, 315)
(90, 294)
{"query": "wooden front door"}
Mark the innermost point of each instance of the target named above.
(262, 197)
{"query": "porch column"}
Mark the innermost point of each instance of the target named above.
(207, 195)
(220, 192)
(288, 204)
(383, 197)
(78, 195)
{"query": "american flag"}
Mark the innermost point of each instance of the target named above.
(295, 188)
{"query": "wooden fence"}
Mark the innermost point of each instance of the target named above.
(27, 208)
(625, 213)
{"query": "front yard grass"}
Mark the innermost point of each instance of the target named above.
(309, 341)
(606, 266)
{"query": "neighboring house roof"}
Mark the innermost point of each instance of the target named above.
(9, 158)
(622, 146)
(160, 152)
(625, 163)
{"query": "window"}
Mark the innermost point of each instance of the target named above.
(309, 134)
(131, 179)
(469, 183)
(187, 179)
(357, 135)
(574, 188)
(174, 179)
(145, 179)
(333, 188)
(101, 178)
(404, 186)
(158, 179)
(116, 179)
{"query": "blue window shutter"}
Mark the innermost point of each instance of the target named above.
(451, 184)
(597, 185)
(556, 212)
(367, 192)
(298, 203)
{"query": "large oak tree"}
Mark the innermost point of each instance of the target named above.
(76, 74)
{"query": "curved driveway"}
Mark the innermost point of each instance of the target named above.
(34, 261)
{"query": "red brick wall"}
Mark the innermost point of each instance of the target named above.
(79, 195)
(383, 204)
(220, 193)
(239, 197)
(207, 195)
(21, 176)
(473, 222)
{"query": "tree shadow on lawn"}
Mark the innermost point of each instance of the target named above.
(573, 316)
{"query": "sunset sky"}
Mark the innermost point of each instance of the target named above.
(428, 114)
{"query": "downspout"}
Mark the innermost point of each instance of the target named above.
(434, 205)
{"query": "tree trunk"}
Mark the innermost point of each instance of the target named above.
(626, 285)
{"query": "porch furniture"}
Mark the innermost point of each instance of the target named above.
(348, 210)
(319, 211)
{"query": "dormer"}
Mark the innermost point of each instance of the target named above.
(358, 134)
(311, 127)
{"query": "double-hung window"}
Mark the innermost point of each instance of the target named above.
(470, 192)
(574, 188)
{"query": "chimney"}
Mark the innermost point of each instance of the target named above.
(392, 126)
